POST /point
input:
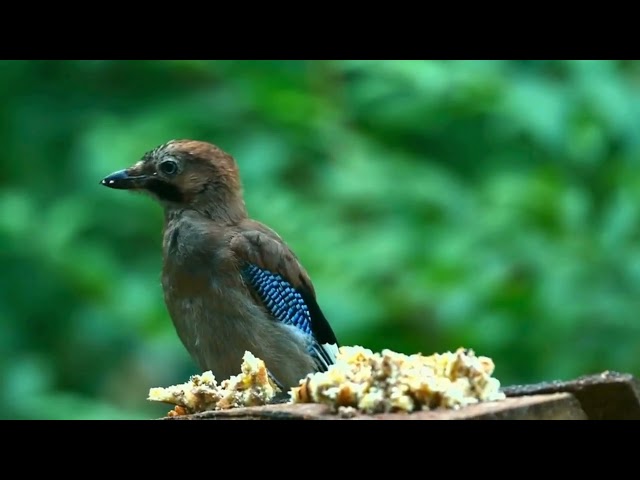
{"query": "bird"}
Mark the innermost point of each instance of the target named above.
(230, 283)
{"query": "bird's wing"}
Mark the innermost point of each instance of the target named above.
(274, 275)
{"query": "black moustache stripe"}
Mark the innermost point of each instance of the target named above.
(164, 191)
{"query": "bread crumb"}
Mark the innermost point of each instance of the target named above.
(202, 392)
(347, 412)
(393, 382)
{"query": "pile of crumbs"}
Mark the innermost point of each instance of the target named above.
(201, 393)
(368, 382)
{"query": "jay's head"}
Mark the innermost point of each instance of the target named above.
(183, 174)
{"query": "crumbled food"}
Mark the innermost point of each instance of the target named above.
(202, 392)
(394, 382)
(177, 411)
(347, 412)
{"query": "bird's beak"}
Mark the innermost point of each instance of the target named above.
(125, 179)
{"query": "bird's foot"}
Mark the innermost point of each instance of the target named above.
(280, 397)
(283, 395)
(276, 381)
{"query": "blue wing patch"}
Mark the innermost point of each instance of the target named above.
(280, 298)
(286, 304)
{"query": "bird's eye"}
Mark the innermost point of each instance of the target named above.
(169, 167)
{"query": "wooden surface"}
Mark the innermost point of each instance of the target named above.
(606, 396)
(555, 406)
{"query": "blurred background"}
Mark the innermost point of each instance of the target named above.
(488, 204)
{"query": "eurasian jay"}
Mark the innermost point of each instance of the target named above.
(230, 283)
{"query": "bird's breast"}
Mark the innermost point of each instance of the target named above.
(206, 303)
(216, 316)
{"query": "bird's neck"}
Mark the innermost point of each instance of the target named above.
(230, 213)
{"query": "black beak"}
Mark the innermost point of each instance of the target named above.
(122, 180)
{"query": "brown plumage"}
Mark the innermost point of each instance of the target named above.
(230, 283)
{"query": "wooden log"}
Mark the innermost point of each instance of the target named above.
(605, 396)
(558, 406)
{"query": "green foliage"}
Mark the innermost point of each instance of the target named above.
(492, 205)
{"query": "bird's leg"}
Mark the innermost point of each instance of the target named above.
(280, 397)
(283, 395)
(275, 380)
